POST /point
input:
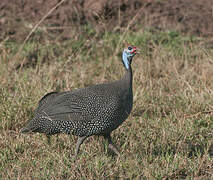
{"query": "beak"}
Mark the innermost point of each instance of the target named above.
(136, 50)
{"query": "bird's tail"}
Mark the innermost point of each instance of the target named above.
(25, 130)
(28, 128)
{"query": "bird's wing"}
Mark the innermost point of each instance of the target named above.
(66, 106)
(46, 99)
(74, 107)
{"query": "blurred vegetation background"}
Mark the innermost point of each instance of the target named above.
(52, 45)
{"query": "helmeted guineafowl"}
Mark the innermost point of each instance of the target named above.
(94, 110)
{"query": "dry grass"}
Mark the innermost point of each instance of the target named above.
(167, 136)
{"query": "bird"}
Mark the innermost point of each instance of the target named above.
(94, 110)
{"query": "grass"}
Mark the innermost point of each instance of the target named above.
(167, 136)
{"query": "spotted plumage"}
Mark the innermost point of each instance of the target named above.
(94, 110)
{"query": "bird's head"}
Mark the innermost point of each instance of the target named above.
(128, 53)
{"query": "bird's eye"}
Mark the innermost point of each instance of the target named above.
(129, 48)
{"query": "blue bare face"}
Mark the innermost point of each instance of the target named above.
(127, 55)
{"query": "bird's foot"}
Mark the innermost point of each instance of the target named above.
(114, 149)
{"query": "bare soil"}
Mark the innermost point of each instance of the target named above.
(17, 18)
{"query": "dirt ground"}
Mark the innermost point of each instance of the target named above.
(192, 17)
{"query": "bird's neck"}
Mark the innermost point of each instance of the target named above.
(127, 78)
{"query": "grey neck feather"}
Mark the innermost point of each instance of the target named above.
(127, 78)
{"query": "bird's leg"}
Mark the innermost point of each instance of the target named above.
(79, 142)
(111, 145)
(48, 139)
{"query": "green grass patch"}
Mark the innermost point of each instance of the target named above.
(168, 134)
